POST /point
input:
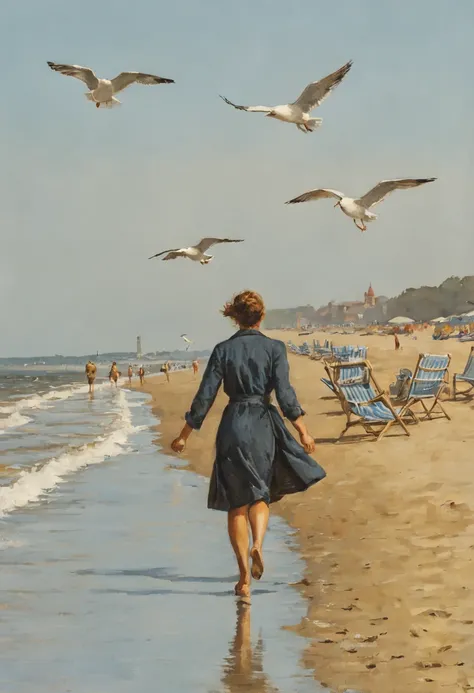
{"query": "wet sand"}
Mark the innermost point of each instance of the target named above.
(120, 579)
(388, 536)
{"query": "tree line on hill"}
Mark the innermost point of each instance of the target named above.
(425, 303)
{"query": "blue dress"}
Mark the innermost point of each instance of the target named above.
(256, 456)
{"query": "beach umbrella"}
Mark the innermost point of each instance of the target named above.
(400, 320)
(439, 320)
(458, 319)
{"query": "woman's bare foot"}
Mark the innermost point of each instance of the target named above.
(242, 591)
(257, 563)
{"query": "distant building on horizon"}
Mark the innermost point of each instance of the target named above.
(139, 347)
(337, 313)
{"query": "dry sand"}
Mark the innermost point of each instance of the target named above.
(388, 536)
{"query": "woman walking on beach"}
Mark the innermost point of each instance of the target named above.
(130, 374)
(141, 374)
(195, 365)
(257, 460)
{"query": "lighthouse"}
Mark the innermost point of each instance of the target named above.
(139, 347)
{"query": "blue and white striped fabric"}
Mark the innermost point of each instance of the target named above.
(303, 350)
(426, 382)
(347, 374)
(357, 396)
(468, 373)
(350, 353)
(352, 373)
(325, 350)
(329, 384)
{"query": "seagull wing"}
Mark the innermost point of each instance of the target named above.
(85, 74)
(316, 92)
(172, 254)
(318, 194)
(252, 109)
(125, 79)
(205, 243)
(385, 187)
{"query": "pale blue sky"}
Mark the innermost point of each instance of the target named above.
(87, 195)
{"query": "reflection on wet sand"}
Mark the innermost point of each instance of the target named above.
(243, 666)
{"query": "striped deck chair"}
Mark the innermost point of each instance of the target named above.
(349, 353)
(467, 376)
(428, 382)
(321, 351)
(362, 398)
(345, 373)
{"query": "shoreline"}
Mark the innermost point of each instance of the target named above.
(387, 537)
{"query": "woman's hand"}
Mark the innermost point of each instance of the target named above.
(307, 442)
(178, 445)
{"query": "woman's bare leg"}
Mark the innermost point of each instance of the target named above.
(258, 518)
(239, 538)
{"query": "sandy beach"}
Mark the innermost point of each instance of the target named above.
(388, 536)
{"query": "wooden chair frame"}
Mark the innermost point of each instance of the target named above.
(464, 393)
(413, 400)
(371, 426)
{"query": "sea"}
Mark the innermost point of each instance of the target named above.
(114, 577)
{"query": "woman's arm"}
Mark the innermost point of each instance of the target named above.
(306, 440)
(203, 400)
(287, 399)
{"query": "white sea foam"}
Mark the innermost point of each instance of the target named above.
(33, 484)
(13, 421)
(44, 401)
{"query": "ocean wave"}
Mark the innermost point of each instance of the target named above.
(13, 421)
(44, 400)
(41, 479)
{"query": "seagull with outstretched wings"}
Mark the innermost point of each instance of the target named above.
(197, 253)
(298, 111)
(359, 210)
(101, 91)
(187, 340)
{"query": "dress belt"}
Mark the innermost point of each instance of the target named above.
(253, 399)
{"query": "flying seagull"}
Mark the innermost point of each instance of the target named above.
(101, 91)
(188, 341)
(298, 111)
(196, 252)
(359, 210)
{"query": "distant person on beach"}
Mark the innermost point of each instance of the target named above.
(257, 460)
(165, 368)
(195, 365)
(397, 342)
(114, 374)
(130, 374)
(91, 372)
(141, 374)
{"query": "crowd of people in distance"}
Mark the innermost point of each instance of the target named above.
(114, 373)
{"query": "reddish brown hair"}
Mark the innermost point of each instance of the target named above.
(246, 308)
